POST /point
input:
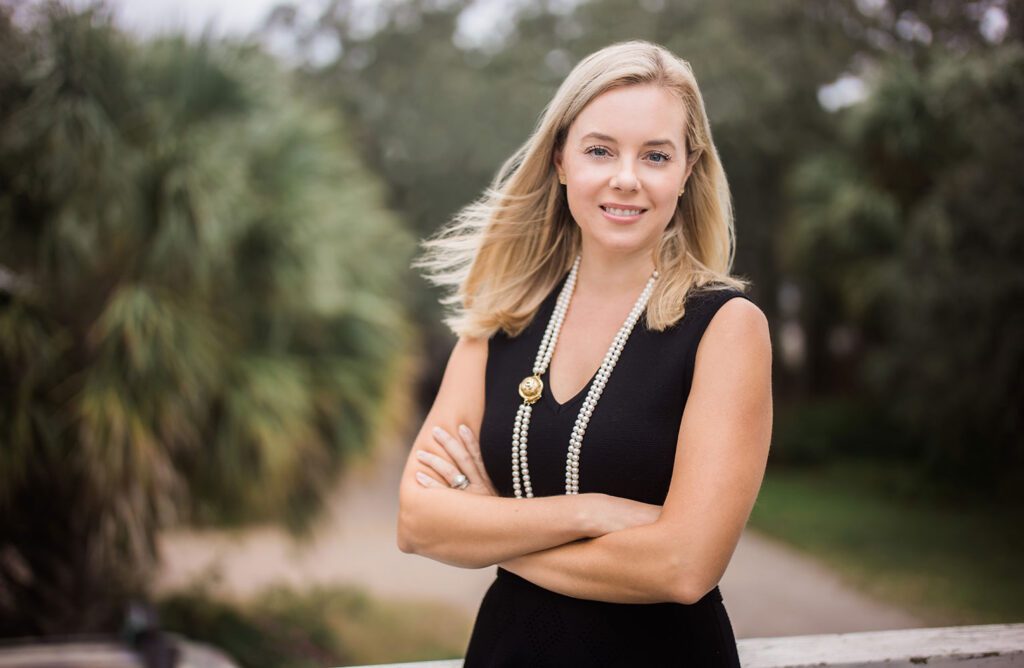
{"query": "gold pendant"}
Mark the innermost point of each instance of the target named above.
(530, 388)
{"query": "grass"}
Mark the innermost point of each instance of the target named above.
(328, 626)
(948, 559)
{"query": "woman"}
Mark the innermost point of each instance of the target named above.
(611, 501)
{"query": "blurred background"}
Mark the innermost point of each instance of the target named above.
(214, 355)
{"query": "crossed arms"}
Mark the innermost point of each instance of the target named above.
(595, 546)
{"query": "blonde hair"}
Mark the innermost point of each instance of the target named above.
(501, 255)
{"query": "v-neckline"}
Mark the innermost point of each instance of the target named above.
(550, 396)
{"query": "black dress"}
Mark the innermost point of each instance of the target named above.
(628, 451)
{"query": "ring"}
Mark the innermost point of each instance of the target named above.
(460, 482)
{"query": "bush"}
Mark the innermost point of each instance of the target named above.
(329, 626)
(817, 432)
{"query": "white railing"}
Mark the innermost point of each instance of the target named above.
(989, 646)
(96, 652)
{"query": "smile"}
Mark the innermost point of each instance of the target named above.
(622, 214)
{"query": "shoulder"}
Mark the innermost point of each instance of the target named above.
(726, 317)
(713, 295)
(738, 317)
(737, 330)
(703, 303)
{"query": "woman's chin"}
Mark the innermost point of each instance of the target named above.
(623, 241)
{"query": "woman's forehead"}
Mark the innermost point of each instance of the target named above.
(639, 113)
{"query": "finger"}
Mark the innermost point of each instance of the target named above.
(433, 475)
(473, 445)
(444, 468)
(457, 451)
(426, 480)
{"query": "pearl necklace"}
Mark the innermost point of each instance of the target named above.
(531, 388)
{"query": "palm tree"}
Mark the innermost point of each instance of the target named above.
(198, 318)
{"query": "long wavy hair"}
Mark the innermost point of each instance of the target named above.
(501, 255)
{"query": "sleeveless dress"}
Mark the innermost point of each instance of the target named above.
(628, 451)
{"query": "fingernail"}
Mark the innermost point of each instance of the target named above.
(422, 456)
(438, 431)
(464, 430)
(422, 477)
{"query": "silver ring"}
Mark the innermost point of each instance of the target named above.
(460, 482)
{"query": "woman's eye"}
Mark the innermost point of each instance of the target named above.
(602, 152)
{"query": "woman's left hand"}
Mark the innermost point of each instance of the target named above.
(465, 452)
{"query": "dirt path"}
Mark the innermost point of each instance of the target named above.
(769, 588)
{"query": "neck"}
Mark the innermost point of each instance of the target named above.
(613, 274)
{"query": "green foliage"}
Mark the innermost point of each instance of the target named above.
(329, 626)
(815, 432)
(962, 272)
(199, 312)
(912, 226)
(265, 635)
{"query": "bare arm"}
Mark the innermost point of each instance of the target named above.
(477, 530)
(720, 460)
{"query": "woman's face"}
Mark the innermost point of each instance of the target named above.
(624, 163)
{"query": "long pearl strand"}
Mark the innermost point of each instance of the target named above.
(531, 387)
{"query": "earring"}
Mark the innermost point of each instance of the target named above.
(561, 179)
(682, 191)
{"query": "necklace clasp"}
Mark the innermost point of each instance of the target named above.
(530, 388)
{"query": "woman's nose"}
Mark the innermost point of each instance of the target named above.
(625, 178)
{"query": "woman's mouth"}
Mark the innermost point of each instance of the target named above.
(622, 214)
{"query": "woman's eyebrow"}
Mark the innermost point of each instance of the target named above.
(603, 137)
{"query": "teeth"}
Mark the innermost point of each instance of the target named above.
(623, 212)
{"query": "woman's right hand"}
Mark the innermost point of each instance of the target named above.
(465, 452)
(604, 513)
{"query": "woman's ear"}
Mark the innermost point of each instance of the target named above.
(557, 160)
(691, 160)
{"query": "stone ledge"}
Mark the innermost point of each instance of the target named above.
(103, 653)
(988, 645)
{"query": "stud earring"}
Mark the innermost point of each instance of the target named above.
(561, 179)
